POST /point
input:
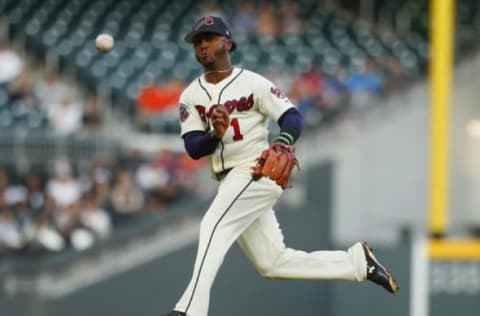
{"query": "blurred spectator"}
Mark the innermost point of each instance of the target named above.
(367, 78)
(11, 64)
(306, 91)
(65, 117)
(3, 184)
(267, 22)
(245, 19)
(36, 200)
(52, 90)
(126, 197)
(150, 176)
(335, 95)
(94, 217)
(186, 175)
(52, 99)
(49, 220)
(159, 96)
(155, 182)
(283, 79)
(365, 85)
(41, 234)
(100, 184)
(63, 188)
(211, 7)
(168, 162)
(66, 220)
(16, 199)
(21, 90)
(92, 117)
(10, 235)
(396, 76)
(132, 160)
(64, 194)
(46, 237)
(290, 21)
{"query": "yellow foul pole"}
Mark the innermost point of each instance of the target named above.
(441, 38)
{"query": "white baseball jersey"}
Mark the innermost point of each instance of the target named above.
(250, 99)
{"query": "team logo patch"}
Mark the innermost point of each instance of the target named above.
(277, 92)
(208, 20)
(183, 112)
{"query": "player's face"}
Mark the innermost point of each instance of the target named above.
(211, 49)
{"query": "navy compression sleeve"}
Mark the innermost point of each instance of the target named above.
(291, 125)
(199, 144)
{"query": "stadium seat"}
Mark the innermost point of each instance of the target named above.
(6, 118)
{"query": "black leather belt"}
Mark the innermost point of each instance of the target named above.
(222, 174)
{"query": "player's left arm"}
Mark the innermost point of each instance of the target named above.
(291, 126)
(274, 104)
(278, 161)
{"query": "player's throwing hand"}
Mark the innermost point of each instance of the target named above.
(220, 120)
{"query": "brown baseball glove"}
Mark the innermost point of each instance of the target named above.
(220, 120)
(276, 163)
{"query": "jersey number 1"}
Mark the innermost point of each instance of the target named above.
(236, 130)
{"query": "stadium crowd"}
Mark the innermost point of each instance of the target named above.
(321, 93)
(52, 102)
(73, 208)
(31, 97)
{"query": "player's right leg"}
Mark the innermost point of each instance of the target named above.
(263, 244)
(238, 203)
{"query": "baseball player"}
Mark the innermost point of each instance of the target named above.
(224, 115)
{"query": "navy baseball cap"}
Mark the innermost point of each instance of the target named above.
(210, 24)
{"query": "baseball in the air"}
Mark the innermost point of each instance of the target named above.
(104, 42)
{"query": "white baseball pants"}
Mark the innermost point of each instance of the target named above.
(242, 210)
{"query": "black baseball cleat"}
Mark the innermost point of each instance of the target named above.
(176, 313)
(377, 273)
